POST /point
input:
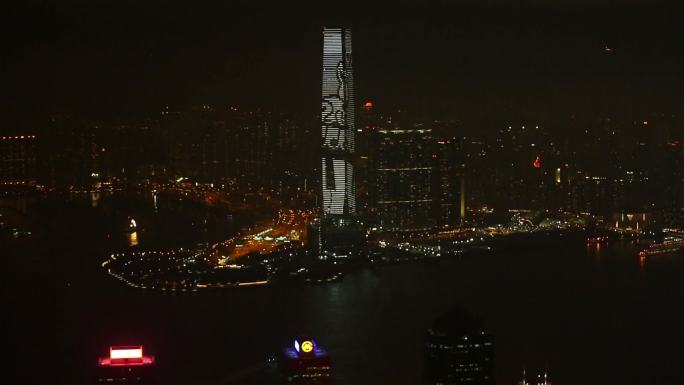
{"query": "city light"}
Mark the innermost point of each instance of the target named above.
(308, 208)
(307, 346)
(117, 352)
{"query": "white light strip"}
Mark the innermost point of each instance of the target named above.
(115, 353)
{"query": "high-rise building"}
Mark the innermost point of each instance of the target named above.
(459, 351)
(69, 151)
(18, 160)
(403, 178)
(339, 228)
(450, 188)
(337, 123)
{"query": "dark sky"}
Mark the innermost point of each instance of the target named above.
(462, 58)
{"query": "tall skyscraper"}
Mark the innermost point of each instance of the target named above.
(337, 123)
(339, 230)
(403, 169)
(450, 188)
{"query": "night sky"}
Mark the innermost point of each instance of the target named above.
(466, 59)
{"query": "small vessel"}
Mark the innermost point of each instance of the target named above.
(671, 244)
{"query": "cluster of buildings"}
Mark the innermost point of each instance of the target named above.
(203, 144)
(604, 166)
(458, 350)
(394, 171)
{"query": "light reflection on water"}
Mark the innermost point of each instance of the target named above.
(566, 307)
(95, 197)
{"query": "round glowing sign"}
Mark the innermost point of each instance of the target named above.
(307, 346)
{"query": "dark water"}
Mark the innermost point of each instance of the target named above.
(590, 316)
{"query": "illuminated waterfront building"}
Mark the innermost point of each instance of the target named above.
(403, 178)
(305, 363)
(459, 351)
(339, 226)
(337, 123)
(450, 188)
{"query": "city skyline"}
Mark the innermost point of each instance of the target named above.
(221, 193)
(462, 60)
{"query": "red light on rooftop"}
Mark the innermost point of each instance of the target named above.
(537, 162)
(368, 105)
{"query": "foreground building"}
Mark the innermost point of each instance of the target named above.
(459, 351)
(305, 363)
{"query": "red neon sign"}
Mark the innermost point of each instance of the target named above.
(126, 356)
(117, 352)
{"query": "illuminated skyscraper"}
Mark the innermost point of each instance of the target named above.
(337, 123)
(339, 229)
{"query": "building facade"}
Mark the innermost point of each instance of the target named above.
(450, 186)
(18, 160)
(403, 179)
(339, 234)
(459, 351)
(337, 123)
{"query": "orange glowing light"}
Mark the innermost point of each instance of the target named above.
(368, 105)
(125, 352)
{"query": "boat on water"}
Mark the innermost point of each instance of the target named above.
(671, 244)
(597, 239)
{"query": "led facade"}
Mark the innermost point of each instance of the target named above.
(337, 123)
